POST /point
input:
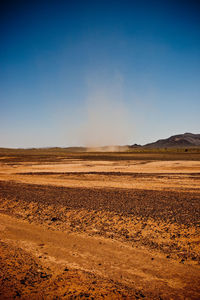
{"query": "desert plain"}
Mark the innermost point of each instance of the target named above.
(99, 225)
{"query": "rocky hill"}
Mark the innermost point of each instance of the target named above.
(180, 140)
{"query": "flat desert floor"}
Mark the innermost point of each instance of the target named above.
(97, 226)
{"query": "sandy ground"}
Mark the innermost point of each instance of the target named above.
(124, 174)
(142, 271)
(99, 229)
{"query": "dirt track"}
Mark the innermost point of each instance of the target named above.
(139, 272)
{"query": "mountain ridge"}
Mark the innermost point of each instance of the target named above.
(179, 140)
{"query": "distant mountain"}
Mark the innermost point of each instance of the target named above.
(180, 140)
(136, 146)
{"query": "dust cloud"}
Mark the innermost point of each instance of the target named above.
(107, 121)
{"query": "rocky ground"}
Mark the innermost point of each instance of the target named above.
(99, 241)
(24, 276)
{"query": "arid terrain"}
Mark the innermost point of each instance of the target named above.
(99, 225)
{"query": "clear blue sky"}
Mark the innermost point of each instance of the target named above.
(55, 55)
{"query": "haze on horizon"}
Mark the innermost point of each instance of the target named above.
(95, 73)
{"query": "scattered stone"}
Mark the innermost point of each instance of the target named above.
(43, 275)
(142, 295)
(18, 294)
(194, 258)
(22, 281)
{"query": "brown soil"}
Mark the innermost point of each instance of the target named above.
(26, 276)
(39, 262)
(99, 229)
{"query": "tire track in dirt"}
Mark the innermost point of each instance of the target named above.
(134, 269)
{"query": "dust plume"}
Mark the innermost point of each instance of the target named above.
(107, 120)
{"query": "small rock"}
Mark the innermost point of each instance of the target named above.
(18, 294)
(22, 281)
(43, 275)
(142, 295)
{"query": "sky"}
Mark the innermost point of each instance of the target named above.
(98, 72)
